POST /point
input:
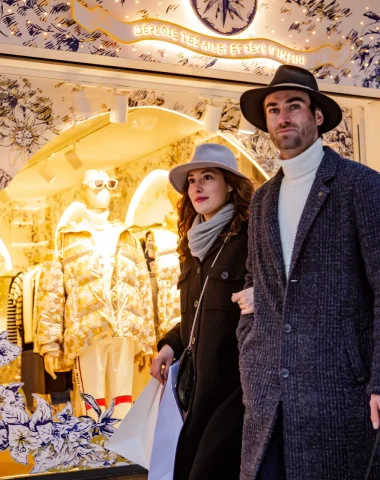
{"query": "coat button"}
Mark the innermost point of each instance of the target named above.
(287, 328)
(320, 195)
(284, 373)
(193, 341)
(198, 270)
(196, 303)
(224, 275)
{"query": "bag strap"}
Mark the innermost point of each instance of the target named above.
(190, 346)
(372, 459)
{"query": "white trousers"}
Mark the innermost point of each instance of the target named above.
(105, 371)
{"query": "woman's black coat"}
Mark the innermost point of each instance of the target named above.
(209, 446)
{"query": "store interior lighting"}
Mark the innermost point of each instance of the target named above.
(4, 197)
(47, 173)
(245, 126)
(72, 157)
(211, 119)
(82, 104)
(119, 110)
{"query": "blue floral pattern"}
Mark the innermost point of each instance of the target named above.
(55, 444)
(8, 351)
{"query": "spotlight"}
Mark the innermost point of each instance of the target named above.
(245, 126)
(73, 158)
(211, 118)
(119, 110)
(47, 173)
(82, 104)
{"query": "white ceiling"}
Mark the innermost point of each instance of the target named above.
(101, 145)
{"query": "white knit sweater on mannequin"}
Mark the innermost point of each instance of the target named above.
(299, 175)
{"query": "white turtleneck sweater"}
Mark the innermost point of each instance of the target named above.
(299, 174)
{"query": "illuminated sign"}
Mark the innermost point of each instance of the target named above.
(227, 48)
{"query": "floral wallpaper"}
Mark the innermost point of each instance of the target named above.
(55, 444)
(303, 25)
(32, 112)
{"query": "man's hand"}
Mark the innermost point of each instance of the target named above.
(375, 411)
(244, 300)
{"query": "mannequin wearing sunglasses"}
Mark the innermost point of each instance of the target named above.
(95, 304)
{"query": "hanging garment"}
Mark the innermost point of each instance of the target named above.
(28, 284)
(11, 372)
(74, 308)
(11, 322)
(36, 346)
(105, 371)
(167, 271)
(15, 295)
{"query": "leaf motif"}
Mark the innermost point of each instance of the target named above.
(42, 414)
(90, 400)
(14, 387)
(64, 415)
(108, 413)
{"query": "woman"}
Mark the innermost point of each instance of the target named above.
(212, 212)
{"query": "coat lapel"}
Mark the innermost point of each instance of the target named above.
(272, 226)
(318, 195)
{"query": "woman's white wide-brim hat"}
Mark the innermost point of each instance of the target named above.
(207, 155)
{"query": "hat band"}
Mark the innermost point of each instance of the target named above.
(293, 85)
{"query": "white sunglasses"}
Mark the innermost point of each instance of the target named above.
(111, 184)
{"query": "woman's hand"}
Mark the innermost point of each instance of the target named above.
(245, 300)
(375, 411)
(162, 363)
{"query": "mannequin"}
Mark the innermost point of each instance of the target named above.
(95, 304)
(167, 268)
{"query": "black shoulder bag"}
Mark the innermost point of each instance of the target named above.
(186, 373)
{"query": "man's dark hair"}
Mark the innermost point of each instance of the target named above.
(314, 105)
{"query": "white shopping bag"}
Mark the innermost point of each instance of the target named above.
(168, 428)
(134, 437)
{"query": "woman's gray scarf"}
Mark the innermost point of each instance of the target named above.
(202, 235)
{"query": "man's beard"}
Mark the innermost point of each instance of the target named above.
(295, 139)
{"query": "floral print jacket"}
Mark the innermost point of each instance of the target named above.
(73, 307)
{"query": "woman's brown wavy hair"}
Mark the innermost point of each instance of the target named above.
(240, 197)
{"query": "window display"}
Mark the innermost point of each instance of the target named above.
(83, 303)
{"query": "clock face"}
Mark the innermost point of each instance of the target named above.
(227, 17)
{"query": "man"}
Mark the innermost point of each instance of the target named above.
(310, 352)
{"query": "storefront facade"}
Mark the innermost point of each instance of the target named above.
(130, 88)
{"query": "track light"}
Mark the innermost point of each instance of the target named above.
(47, 173)
(245, 126)
(82, 104)
(212, 117)
(119, 110)
(73, 158)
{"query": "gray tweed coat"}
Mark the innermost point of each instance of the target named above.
(313, 342)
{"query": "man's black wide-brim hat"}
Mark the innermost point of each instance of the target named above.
(288, 77)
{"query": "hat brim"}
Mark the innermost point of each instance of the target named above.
(178, 175)
(252, 101)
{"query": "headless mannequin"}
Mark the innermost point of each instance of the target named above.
(97, 202)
